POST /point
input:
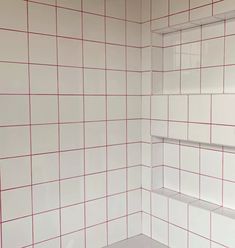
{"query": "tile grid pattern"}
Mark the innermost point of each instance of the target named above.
(48, 181)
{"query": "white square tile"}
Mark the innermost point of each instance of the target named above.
(69, 52)
(72, 191)
(94, 81)
(115, 57)
(116, 206)
(134, 224)
(199, 3)
(115, 8)
(71, 108)
(44, 109)
(229, 50)
(209, 57)
(134, 83)
(159, 8)
(116, 132)
(94, 7)
(72, 218)
(134, 107)
(69, 23)
(133, 34)
(197, 241)
(230, 27)
(134, 201)
(211, 190)
(213, 30)
(160, 230)
(94, 217)
(134, 178)
(43, 79)
(14, 141)
(14, 109)
(42, 133)
(228, 191)
(133, 10)
(116, 181)
(96, 103)
(16, 82)
(93, 27)
(45, 197)
(17, 9)
(175, 6)
(211, 163)
(199, 132)
(42, 49)
(190, 81)
(159, 206)
(95, 134)
(177, 237)
(116, 107)
(229, 169)
(159, 107)
(21, 229)
(37, 24)
(116, 156)
(172, 58)
(134, 130)
(95, 186)
(13, 46)
(51, 221)
(171, 155)
(116, 82)
(117, 230)
(96, 236)
(192, 34)
(77, 239)
(95, 160)
(13, 175)
(71, 136)
(115, 31)
(212, 80)
(177, 130)
(223, 135)
(228, 80)
(189, 158)
(189, 184)
(45, 168)
(94, 55)
(49, 243)
(178, 108)
(171, 178)
(71, 163)
(171, 82)
(199, 108)
(16, 197)
(190, 55)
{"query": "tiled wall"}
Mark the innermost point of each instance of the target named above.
(200, 65)
(70, 123)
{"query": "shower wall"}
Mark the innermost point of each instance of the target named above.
(70, 123)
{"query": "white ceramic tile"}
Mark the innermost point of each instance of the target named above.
(45, 197)
(94, 7)
(116, 82)
(189, 159)
(73, 4)
(134, 178)
(172, 58)
(20, 197)
(18, 9)
(42, 49)
(213, 30)
(171, 82)
(228, 191)
(117, 230)
(70, 80)
(45, 168)
(96, 103)
(133, 34)
(135, 225)
(44, 109)
(159, 8)
(76, 239)
(96, 236)
(134, 83)
(71, 136)
(229, 50)
(211, 190)
(14, 141)
(223, 135)
(133, 59)
(133, 10)
(211, 163)
(159, 206)
(177, 130)
(209, 57)
(71, 163)
(115, 31)
(115, 8)
(175, 6)
(94, 81)
(72, 191)
(178, 108)
(116, 206)
(197, 241)
(171, 178)
(43, 79)
(48, 244)
(21, 229)
(37, 24)
(93, 27)
(190, 55)
(13, 46)
(159, 107)
(72, 218)
(69, 23)
(69, 52)
(160, 230)
(199, 132)
(134, 201)
(94, 55)
(116, 132)
(192, 34)
(229, 168)
(94, 134)
(116, 156)
(51, 221)
(42, 133)
(116, 181)
(116, 107)
(228, 80)
(189, 183)
(190, 81)
(177, 237)
(212, 80)
(115, 57)
(94, 217)
(134, 130)
(14, 109)
(95, 186)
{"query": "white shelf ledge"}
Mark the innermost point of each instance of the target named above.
(140, 241)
